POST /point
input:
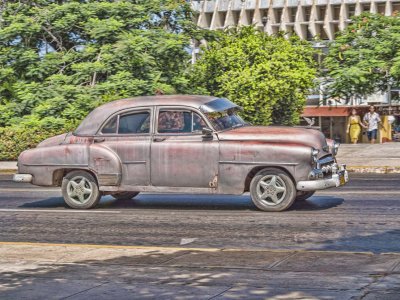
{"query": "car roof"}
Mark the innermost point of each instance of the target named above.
(99, 115)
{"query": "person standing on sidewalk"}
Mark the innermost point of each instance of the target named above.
(354, 126)
(372, 121)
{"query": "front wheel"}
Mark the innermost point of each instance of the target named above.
(272, 190)
(80, 190)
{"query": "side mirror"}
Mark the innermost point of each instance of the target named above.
(207, 132)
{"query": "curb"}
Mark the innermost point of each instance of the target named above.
(8, 171)
(352, 169)
(374, 169)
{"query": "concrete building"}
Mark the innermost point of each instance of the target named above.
(307, 18)
(313, 20)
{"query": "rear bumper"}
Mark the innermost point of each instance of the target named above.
(23, 177)
(339, 179)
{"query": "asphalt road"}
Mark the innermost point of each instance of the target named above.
(363, 216)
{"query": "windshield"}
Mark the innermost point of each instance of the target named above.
(225, 119)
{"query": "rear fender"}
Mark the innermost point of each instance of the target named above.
(42, 162)
(106, 164)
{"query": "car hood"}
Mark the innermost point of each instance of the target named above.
(276, 134)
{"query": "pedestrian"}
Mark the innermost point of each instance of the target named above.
(354, 126)
(372, 120)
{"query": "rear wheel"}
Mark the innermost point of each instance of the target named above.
(124, 195)
(80, 190)
(303, 196)
(272, 190)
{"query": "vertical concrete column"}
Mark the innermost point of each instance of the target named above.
(388, 8)
(271, 18)
(257, 18)
(373, 7)
(230, 20)
(327, 23)
(242, 17)
(342, 16)
(358, 8)
(215, 21)
(298, 20)
(313, 18)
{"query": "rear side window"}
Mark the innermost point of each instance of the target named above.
(134, 123)
(138, 122)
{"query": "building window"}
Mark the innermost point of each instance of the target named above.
(222, 17)
(336, 12)
(250, 15)
(278, 14)
(321, 11)
(307, 13)
(396, 7)
(236, 15)
(321, 32)
(365, 8)
(381, 8)
(335, 28)
(292, 14)
(351, 11)
(208, 17)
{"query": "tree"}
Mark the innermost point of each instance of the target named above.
(60, 59)
(365, 57)
(269, 76)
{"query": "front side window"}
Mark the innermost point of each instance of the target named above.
(175, 121)
(225, 119)
(138, 122)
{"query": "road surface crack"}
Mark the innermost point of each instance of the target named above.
(219, 294)
(84, 291)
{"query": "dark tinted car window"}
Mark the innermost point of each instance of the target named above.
(111, 126)
(134, 123)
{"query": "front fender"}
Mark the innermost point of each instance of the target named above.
(239, 159)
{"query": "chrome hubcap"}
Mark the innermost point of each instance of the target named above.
(79, 189)
(271, 190)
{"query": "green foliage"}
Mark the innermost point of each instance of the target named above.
(269, 76)
(14, 140)
(364, 58)
(60, 59)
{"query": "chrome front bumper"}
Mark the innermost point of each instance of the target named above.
(338, 179)
(22, 177)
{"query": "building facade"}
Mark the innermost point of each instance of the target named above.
(307, 18)
(313, 20)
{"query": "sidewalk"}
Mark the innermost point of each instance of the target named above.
(360, 158)
(59, 271)
(367, 158)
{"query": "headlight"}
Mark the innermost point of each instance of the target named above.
(314, 155)
(335, 148)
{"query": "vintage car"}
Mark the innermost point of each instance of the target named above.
(182, 144)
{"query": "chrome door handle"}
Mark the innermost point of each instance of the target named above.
(159, 139)
(98, 139)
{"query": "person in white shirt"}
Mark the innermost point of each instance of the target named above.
(372, 121)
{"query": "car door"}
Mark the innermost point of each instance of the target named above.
(128, 134)
(181, 156)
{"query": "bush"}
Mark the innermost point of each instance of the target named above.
(14, 140)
